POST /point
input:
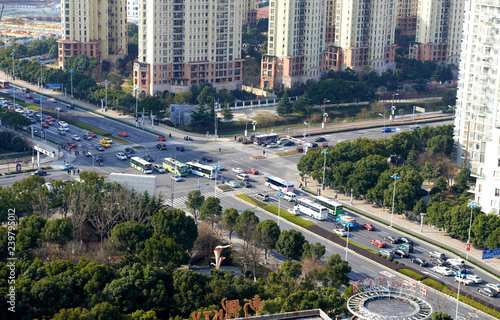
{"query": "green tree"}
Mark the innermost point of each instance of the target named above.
(313, 251)
(291, 244)
(29, 235)
(438, 214)
(441, 184)
(267, 234)
(130, 236)
(284, 106)
(428, 172)
(420, 207)
(462, 181)
(105, 310)
(162, 251)
(336, 271)
(194, 201)
(483, 226)
(211, 210)
(229, 220)
(438, 315)
(227, 113)
(440, 144)
(285, 280)
(142, 315)
(175, 224)
(493, 241)
(190, 290)
(450, 98)
(58, 231)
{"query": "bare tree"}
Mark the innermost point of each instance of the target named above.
(207, 239)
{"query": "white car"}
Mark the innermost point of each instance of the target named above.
(176, 178)
(49, 186)
(340, 232)
(158, 168)
(474, 278)
(494, 286)
(442, 270)
(237, 170)
(232, 184)
(76, 137)
(62, 123)
(456, 262)
(52, 100)
(436, 254)
(463, 280)
(121, 156)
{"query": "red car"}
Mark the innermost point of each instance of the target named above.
(28, 96)
(161, 138)
(44, 125)
(378, 243)
(123, 134)
(50, 123)
(369, 226)
(51, 118)
(253, 171)
(90, 133)
(71, 144)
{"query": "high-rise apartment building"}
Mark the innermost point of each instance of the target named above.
(188, 42)
(295, 43)
(406, 17)
(133, 11)
(477, 122)
(95, 28)
(439, 30)
(364, 36)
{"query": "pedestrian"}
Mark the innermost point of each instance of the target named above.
(234, 138)
(69, 172)
(170, 135)
(74, 171)
(78, 171)
(220, 150)
(263, 152)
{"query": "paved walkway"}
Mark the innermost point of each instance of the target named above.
(413, 227)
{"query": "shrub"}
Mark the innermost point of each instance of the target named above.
(251, 200)
(288, 216)
(433, 284)
(411, 274)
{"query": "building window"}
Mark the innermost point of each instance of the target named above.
(497, 192)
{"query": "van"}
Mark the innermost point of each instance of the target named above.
(290, 196)
(406, 247)
(61, 131)
(243, 176)
(26, 90)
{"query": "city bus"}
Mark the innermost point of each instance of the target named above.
(265, 138)
(202, 170)
(141, 165)
(311, 208)
(175, 167)
(4, 83)
(333, 206)
(279, 184)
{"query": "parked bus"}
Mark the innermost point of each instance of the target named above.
(279, 184)
(202, 170)
(4, 84)
(311, 208)
(333, 206)
(265, 138)
(141, 165)
(175, 166)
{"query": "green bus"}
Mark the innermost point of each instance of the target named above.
(175, 167)
(333, 206)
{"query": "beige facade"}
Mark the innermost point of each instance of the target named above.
(439, 30)
(94, 28)
(188, 42)
(295, 43)
(406, 17)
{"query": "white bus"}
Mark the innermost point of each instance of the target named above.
(141, 165)
(279, 184)
(202, 170)
(311, 208)
(333, 206)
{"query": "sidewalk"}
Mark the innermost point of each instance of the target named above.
(413, 227)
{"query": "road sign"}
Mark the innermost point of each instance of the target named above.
(467, 247)
(18, 167)
(419, 109)
(490, 254)
(53, 86)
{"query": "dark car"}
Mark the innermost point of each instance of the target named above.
(320, 139)
(99, 148)
(406, 240)
(458, 269)
(161, 146)
(129, 155)
(245, 184)
(87, 153)
(37, 101)
(419, 261)
(289, 143)
(439, 262)
(87, 137)
(99, 158)
(392, 239)
(487, 292)
(181, 149)
(39, 173)
(148, 158)
(401, 253)
(129, 150)
(205, 158)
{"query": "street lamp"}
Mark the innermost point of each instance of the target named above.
(215, 184)
(13, 89)
(422, 215)
(324, 113)
(71, 73)
(393, 107)
(246, 125)
(347, 242)
(451, 107)
(136, 105)
(383, 115)
(106, 82)
(13, 55)
(305, 133)
(471, 205)
(395, 177)
(254, 123)
(41, 90)
(324, 152)
(279, 195)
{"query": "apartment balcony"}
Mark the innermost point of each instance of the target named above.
(477, 173)
(178, 15)
(473, 189)
(142, 66)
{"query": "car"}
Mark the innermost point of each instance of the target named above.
(63, 128)
(474, 278)
(232, 184)
(455, 262)
(44, 125)
(49, 186)
(62, 123)
(442, 270)
(99, 148)
(414, 128)
(108, 140)
(121, 156)
(104, 144)
(487, 292)
(378, 243)
(289, 143)
(37, 101)
(386, 253)
(148, 158)
(181, 149)
(161, 146)
(71, 144)
(253, 171)
(129, 150)
(392, 239)
(386, 129)
(90, 133)
(218, 167)
(436, 254)
(123, 134)
(438, 262)
(368, 226)
(67, 166)
(195, 161)
(340, 232)
(463, 280)
(39, 172)
(401, 253)
(494, 287)
(87, 153)
(76, 137)
(161, 138)
(158, 168)
(262, 197)
(176, 178)
(458, 269)
(272, 145)
(129, 155)
(51, 118)
(28, 96)
(99, 158)
(245, 184)
(206, 159)
(87, 137)
(320, 139)
(52, 99)
(406, 240)
(421, 262)
(237, 170)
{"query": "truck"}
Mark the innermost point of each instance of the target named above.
(346, 221)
